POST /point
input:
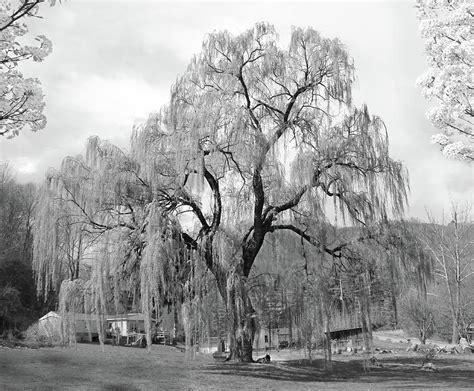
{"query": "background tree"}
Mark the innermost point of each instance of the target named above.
(419, 315)
(451, 246)
(61, 238)
(402, 261)
(99, 231)
(254, 141)
(18, 304)
(412, 266)
(21, 99)
(446, 27)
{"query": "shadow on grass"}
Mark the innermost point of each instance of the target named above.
(440, 360)
(397, 370)
(119, 387)
(54, 359)
(9, 366)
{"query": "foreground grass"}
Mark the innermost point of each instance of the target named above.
(166, 368)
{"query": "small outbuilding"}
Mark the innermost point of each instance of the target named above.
(343, 339)
(85, 326)
(49, 326)
(131, 329)
(128, 323)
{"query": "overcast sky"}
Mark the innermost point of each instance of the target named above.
(114, 62)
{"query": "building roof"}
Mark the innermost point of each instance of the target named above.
(50, 314)
(344, 333)
(131, 316)
(92, 317)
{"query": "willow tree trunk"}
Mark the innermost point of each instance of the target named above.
(240, 317)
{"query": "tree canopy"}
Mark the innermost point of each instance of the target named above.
(21, 99)
(446, 27)
(255, 139)
(18, 304)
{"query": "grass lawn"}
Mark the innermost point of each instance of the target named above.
(166, 368)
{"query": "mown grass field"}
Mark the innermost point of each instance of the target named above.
(86, 367)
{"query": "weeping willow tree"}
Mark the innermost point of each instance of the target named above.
(272, 134)
(60, 238)
(97, 211)
(255, 139)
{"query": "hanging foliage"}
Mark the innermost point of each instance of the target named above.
(254, 141)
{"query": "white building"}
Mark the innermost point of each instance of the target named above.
(85, 326)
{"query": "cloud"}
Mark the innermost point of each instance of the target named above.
(24, 165)
(80, 106)
(110, 102)
(114, 62)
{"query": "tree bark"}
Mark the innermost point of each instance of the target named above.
(454, 335)
(241, 319)
(240, 314)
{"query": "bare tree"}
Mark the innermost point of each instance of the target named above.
(451, 244)
(419, 315)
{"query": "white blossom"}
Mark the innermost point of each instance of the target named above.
(440, 139)
(459, 150)
(446, 27)
(21, 99)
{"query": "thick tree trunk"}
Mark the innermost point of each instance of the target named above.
(232, 286)
(240, 318)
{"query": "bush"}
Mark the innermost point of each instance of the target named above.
(34, 338)
(419, 317)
